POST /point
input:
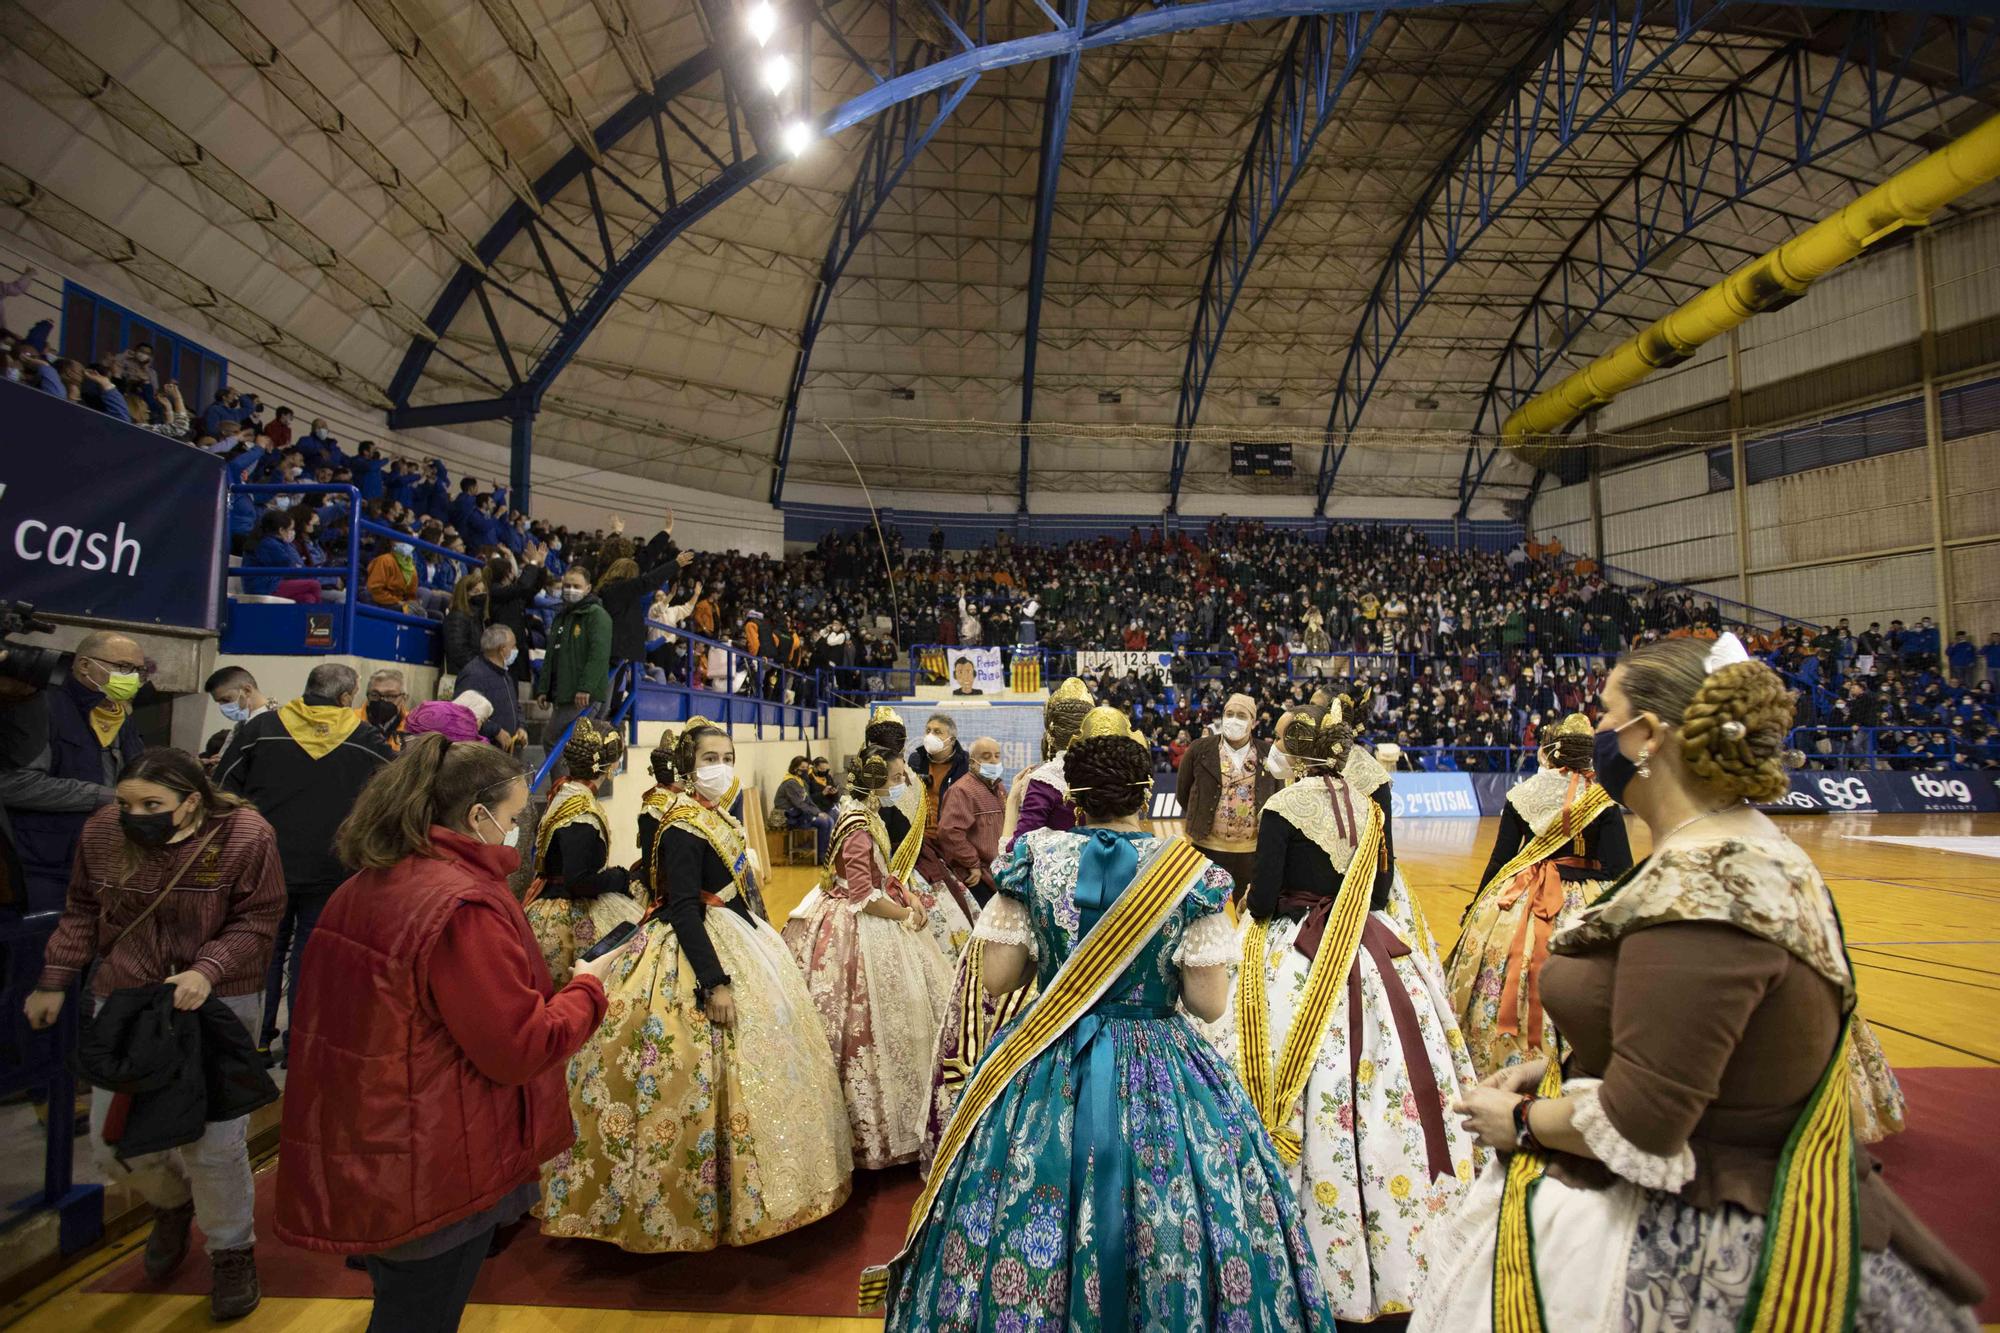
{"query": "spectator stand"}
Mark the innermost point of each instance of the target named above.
(773, 696)
(263, 624)
(36, 1065)
(1910, 747)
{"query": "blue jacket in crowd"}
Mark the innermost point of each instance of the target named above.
(271, 551)
(368, 476)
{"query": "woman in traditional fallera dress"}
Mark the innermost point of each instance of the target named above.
(875, 974)
(1105, 1170)
(1694, 1165)
(577, 896)
(903, 819)
(1343, 1030)
(660, 798)
(975, 1013)
(1561, 840)
(707, 1107)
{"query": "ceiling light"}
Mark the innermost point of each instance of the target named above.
(797, 137)
(777, 74)
(1426, 403)
(903, 395)
(762, 20)
(1109, 397)
(1268, 399)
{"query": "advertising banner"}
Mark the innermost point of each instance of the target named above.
(99, 518)
(1957, 791)
(1433, 796)
(974, 671)
(1095, 662)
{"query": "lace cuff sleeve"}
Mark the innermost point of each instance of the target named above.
(1633, 1163)
(1005, 920)
(1209, 942)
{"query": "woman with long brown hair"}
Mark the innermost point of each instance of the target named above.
(177, 881)
(1561, 840)
(416, 1123)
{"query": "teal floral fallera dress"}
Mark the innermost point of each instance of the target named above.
(1122, 1179)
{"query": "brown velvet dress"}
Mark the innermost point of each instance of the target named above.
(1706, 1004)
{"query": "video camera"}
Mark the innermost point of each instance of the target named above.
(31, 664)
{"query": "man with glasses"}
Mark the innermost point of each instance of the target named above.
(90, 740)
(388, 704)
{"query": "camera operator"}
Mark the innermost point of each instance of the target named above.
(62, 750)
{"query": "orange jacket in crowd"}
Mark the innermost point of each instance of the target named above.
(388, 585)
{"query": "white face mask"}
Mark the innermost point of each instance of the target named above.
(894, 792)
(510, 838)
(1234, 729)
(512, 653)
(572, 594)
(1278, 765)
(714, 780)
(936, 744)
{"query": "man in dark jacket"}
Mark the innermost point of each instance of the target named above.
(303, 766)
(488, 674)
(1222, 785)
(937, 762)
(88, 740)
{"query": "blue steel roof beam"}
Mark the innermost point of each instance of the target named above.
(895, 143)
(1531, 122)
(1761, 129)
(1162, 19)
(1056, 99)
(1305, 91)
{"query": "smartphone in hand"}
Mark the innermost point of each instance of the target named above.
(612, 939)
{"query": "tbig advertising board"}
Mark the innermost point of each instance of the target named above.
(1953, 791)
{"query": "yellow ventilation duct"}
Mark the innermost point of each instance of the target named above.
(1767, 282)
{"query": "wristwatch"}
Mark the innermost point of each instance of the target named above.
(1524, 1134)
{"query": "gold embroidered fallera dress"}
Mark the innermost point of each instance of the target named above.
(576, 897)
(690, 1134)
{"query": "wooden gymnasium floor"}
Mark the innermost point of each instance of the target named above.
(1923, 924)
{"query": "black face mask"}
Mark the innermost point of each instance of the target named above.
(384, 715)
(147, 831)
(1614, 771)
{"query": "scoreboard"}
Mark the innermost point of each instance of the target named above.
(1260, 460)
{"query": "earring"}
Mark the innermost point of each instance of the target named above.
(1645, 753)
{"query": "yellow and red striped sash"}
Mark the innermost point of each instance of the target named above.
(1101, 957)
(1275, 1093)
(1550, 840)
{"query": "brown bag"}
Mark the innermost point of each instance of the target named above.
(161, 897)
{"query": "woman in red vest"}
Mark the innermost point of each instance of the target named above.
(416, 1123)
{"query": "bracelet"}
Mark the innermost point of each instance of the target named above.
(1524, 1133)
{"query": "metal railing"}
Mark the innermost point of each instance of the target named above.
(1861, 747)
(37, 1064)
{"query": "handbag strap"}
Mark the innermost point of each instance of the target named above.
(161, 897)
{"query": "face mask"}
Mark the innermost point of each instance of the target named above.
(991, 772)
(935, 744)
(1278, 765)
(235, 712)
(120, 686)
(403, 548)
(1234, 729)
(383, 713)
(572, 594)
(147, 830)
(894, 792)
(714, 780)
(512, 653)
(1614, 771)
(511, 838)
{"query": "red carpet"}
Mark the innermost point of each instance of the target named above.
(810, 1272)
(1945, 1168)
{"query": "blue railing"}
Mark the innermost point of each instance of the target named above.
(352, 625)
(1861, 747)
(37, 1064)
(1757, 618)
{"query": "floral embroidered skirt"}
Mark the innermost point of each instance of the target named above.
(880, 992)
(1203, 1234)
(1376, 1166)
(567, 927)
(1628, 1260)
(692, 1135)
(1476, 970)
(970, 1021)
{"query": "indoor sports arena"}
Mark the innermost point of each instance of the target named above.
(1000, 666)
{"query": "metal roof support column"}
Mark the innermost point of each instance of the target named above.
(1055, 134)
(520, 459)
(895, 142)
(1321, 57)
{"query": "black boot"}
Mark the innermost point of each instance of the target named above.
(167, 1247)
(236, 1292)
